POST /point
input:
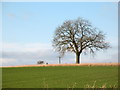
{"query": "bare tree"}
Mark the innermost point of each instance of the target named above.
(78, 36)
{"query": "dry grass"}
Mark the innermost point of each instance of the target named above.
(102, 86)
(83, 64)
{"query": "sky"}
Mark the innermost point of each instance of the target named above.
(28, 29)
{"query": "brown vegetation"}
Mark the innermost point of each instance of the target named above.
(84, 64)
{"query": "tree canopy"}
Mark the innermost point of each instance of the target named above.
(78, 36)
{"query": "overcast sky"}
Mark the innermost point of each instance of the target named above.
(28, 30)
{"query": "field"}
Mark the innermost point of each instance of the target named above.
(60, 77)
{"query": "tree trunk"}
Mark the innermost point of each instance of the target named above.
(77, 58)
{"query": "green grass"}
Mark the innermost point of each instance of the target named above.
(60, 77)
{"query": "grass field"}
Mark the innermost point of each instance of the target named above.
(60, 77)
